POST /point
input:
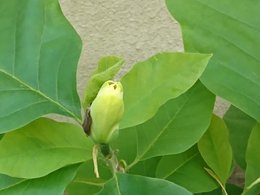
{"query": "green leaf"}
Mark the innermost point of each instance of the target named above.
(7, 181)
(85, 182)
(253, 163)
(126, 143)
(215, 149)
(42, 147)
(153, 82)
(139, 185)
(107, 68)
(240, 126)
(186, 169)
(175, 128)
(52, 184)
(146, 167)
(231, 190)
(39, 52)
(230, 30)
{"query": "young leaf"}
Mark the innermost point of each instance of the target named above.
(107, 68)
(42, 147)
(153, 82)
(240, 126)
(139, 185)
(230, 30)
(186, 169)
(215, 149)
(52, 184)
(252, 180)
(39, 52)
(177, 126)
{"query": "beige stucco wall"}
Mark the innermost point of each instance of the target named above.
(132, 29)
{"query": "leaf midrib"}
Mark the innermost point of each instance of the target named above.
(117, 185)
(38, 92)
(13, 185)
(139, 157)
(181, 165)
(225, 14)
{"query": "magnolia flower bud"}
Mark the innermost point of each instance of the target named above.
(106, 112)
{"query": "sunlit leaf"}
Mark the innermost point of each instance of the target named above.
(177, 126)
(252, 180)
(107, 68)
(215, 149)
(42, 147)
(153, 82)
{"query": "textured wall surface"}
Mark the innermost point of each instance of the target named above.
(133, 29)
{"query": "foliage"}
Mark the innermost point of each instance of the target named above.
(169, 142)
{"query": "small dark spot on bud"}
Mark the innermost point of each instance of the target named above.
(115, 86)
(110, 83)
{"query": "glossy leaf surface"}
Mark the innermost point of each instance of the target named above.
(39, 53)
(230, 30)
(151, 83)
(41, 147)
(175, 128)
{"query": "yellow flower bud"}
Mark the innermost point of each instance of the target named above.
(106, 112)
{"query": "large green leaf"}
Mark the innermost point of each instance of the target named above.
(52, 184)
(240, 126)
(42, 147)
(39, 52)
(85, 182)
(106, 70)
(7, 181)
(186, 169)
(139, 185)
(215, 149)
(160, 78)
(230, 30)
(177, 126)
(253, 162)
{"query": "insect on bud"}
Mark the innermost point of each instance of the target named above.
(106, 112)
